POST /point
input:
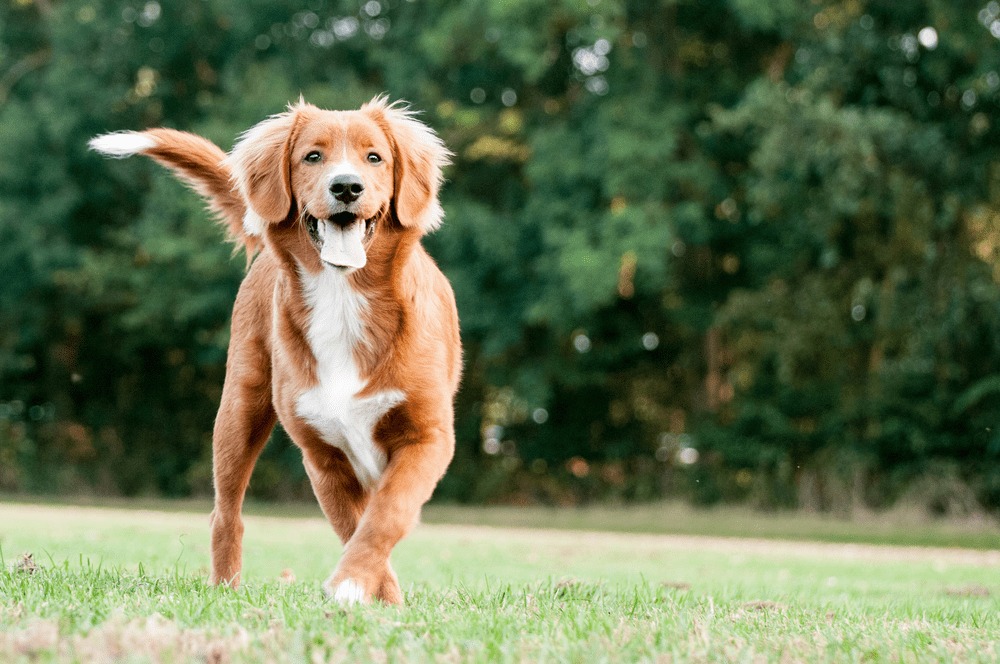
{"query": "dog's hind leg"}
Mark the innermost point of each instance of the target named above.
(244, 423)
(340, 496)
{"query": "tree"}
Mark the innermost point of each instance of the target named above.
(763, 232)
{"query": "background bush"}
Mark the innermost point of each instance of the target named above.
(728, 250)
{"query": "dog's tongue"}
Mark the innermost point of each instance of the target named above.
(342, 244)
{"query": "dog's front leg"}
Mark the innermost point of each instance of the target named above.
(409, 480)
(343, 502)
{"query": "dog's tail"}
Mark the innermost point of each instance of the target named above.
(198, 162)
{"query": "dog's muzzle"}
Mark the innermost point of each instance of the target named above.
(342, 239)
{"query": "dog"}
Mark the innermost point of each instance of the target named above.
(344, 329)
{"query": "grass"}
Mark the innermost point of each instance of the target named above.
(130, 584)
(903, 526)
(909, 527)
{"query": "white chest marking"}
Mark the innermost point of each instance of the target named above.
(332, 407)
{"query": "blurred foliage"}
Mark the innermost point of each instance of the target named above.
(729, 250)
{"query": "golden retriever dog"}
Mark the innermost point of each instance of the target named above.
(344, 329)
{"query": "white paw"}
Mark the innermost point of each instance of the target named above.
(349, 592)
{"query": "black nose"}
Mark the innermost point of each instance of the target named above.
(346, 188)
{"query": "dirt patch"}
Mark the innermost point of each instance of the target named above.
(761, 606)
(675, 585)
(968, 591)
(764, 605)
(154, 639)
(25, 564)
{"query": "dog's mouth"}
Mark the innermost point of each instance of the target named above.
(342, 240)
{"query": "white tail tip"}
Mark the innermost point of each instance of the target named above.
(122, 144)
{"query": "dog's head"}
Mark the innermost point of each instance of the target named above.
(335, 178)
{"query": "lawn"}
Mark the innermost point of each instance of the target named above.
(130, 584)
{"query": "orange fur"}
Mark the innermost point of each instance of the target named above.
(409, 324)
(199, 163)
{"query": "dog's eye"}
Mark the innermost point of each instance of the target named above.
(313, 157)
(373, 158)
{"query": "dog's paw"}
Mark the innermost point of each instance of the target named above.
(346, 592)
(389, 591)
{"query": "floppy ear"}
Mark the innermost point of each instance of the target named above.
(418, 156)
(260, 162)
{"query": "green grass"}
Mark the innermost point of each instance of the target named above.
(901, 526)
(904, 526)
(130, 585)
